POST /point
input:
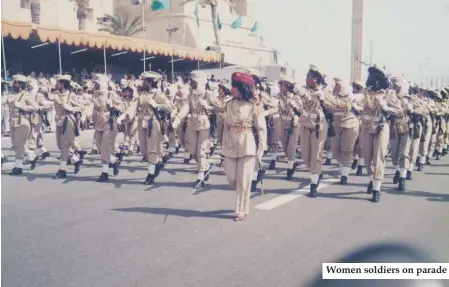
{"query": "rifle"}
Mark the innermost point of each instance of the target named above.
(330, 121)
(213, 124)
(44, 117)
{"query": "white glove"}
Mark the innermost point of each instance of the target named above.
(321, 95)
(410, 107)
(119, 120)
(175, 124)
(109, 102)
(383, 104)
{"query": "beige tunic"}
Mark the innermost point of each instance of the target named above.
(21, 105)
(101, 114)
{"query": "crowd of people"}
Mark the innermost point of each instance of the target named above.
(356, 124)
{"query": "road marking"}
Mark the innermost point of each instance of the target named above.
(283, 199)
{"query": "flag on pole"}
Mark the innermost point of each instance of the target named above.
(197, 19)
(254, 28)
(160, 5)
(237, 23)
(219, 22)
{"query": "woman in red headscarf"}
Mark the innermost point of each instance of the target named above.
(240, 149)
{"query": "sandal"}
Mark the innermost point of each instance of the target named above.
(240, 217)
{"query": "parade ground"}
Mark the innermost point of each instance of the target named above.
(77, 232)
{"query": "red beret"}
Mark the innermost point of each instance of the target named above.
(243, 78)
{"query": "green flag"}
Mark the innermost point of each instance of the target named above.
(160, 5)
(196, 14)
(254, 28)
(237, 23)
(219, 22)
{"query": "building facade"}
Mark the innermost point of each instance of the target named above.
(240, 46)
(57, 13)
(356, 39)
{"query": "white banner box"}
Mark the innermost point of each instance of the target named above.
(372, 271)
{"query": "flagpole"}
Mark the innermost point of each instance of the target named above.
(59, 38)
(144, 34)
(4, 59)
(104, 57)
(169, 42)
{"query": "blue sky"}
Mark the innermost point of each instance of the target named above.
(409, 36)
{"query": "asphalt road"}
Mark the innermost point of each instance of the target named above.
(77, 232)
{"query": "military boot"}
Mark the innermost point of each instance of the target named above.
(103, 177)
(401, 184)
(409, 175)
(60, 174)
(16, 171)
(376, 196)
(396, 177)
(313, 190)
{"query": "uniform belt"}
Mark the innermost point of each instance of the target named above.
(238, 129)
(368, 118)
(198, 112)
(311, 115)
(339, 114)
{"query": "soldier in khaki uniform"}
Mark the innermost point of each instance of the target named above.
(346, 124)
(106, 106)
(375, 132)
(198, 125)
(147, 109)
(442, 111)
(426, 135)
(287, 125)
(67, 112)
(313, 126)
(22, 107)
(40, 120)
(129, 95)
(239, 145)
(224, 96)
(181, 130)
(359, 97)
(418, 114)
(178, 100)
(400, 146)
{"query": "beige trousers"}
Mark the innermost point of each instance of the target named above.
(312, 147)
(343, 144)
(374, 152)
(275, 134)
(289, 142)
(220, 129)
(400, 150)
(106, 143)
(425, 139)
(441, 137)
(130, 133)
(239, 172)
(19, 137)
(151, 146)
(181, 132)
(65, 141)
(414, 150)
(197, 143)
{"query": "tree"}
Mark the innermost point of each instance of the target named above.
(81, 12)
(121, 24)
(35, 9)
(213, 9)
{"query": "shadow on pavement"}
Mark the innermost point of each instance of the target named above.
(434, 197)
(344, 195)
(221, 214)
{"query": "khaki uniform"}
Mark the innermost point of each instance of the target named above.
(358, 99)
(131, 126)
(22, 107)
(442, 111)
(239, 147)
(66, 105)
(149, 128)
(35, 139)
(313, 130)
(419, 109)
(347, 126)
(105, 124)
(375, 132)
(180, 133)
(426, 135)
(221, 117)
(198, 127)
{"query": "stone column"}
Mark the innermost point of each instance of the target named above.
(357, 38)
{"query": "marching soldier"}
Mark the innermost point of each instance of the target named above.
(22, 107)
(417, 122)
(442, 111)
(198, 125)
(434, 110)
(181, 131)
(427, 132)
(107, 106)
(239, 144)
(378, 106)
(129, 95)
(147, 110)
(224, 96)
(313, 125)
(359, 97)
(67, 114)
(346, 124)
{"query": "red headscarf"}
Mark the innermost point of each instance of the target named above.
(243, 78)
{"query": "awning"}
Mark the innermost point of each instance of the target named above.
(81, 38)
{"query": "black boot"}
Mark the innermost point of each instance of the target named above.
(313, 190)
(93, 151)
(60, 174)
(77, 167)
(177, 150)
(354, 164)
(103, 177)
(343, 180)
(272, 165)
(396, 177)
(16, 171)
(165, 158)
(417, 161)
(290, 173)
(427, 159)
(320, 177)
(438, 156)
(33, 163)
(186, 161)
(115, 167)
(444, 152)
(206, 178)
(212, 149)
(149, 180)
(409, 175)
(420, 167)
(170, 154)
(44, 155)
(376, 196)
(4, 160)
(359, 170)
(81, 154)
(144, 159)
(254, 186)
(401, 185)
(159, 167)
(328, 161)
(197, 182)
(370, 188)
(435, 152)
